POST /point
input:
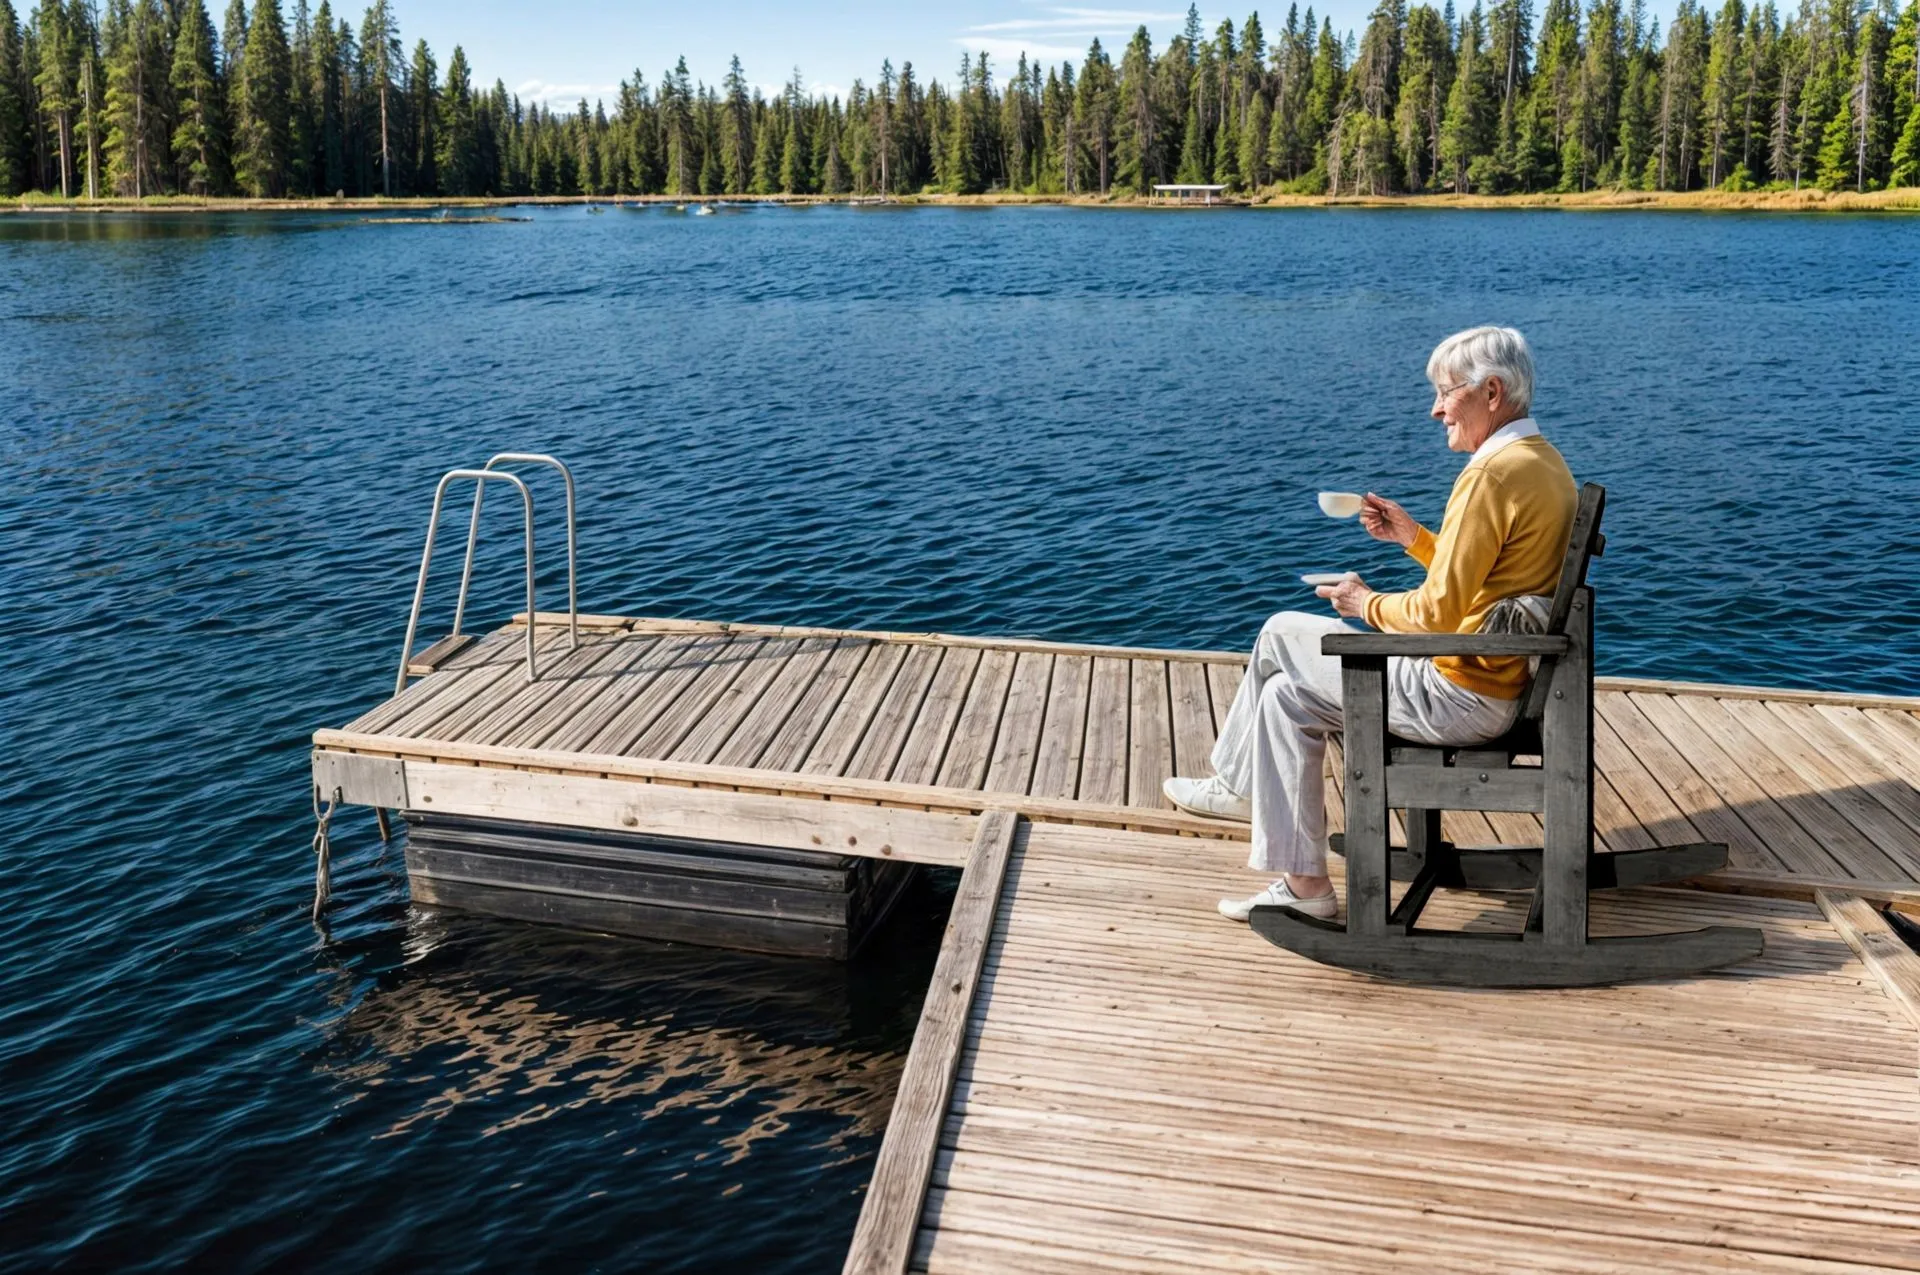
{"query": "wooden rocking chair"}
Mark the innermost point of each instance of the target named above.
(1556, 725)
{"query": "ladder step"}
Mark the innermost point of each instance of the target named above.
(424, 662)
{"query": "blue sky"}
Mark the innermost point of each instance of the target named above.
(562, 50)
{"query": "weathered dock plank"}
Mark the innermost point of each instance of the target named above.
(969, 748)
(1103, 763)
(833, 750)
(1144, 1088)
(669, 810)
(927, 736)
(896, 715)
(1063, 733)
(1017, 742)
(883, 1239)
(1149, 734)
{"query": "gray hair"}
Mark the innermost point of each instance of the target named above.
(1479, 353)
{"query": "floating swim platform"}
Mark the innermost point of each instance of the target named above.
(889, 745)
(1107, 1075)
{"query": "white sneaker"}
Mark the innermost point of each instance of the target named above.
(1209, 796)
(1277, 895)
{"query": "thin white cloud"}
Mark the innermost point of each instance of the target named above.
(1061, 36)
(1007, 52)
(565, 94)
(1077, 20)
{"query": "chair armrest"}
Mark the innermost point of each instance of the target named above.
(1426, 645)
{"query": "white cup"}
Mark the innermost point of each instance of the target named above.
(1340, 504)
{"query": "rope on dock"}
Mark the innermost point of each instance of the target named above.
(323, 850)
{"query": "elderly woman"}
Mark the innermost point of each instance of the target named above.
(1502, 536)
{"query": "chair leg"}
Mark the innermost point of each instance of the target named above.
(1435, 862)
(1567, 759)
(1364, 704)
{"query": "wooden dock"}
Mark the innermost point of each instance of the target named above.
(1109, 1076)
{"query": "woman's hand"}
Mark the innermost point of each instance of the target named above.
(1385, 520)
(1349, 597)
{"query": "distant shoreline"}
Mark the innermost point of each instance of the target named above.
(1906, 199)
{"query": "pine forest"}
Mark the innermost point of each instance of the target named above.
(150, 97)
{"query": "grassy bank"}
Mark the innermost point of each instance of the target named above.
(1790, 201)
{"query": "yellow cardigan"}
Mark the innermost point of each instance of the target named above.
(1503, 535)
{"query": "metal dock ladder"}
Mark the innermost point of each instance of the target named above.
(456, 641)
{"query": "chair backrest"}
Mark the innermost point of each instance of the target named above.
(1584, 544)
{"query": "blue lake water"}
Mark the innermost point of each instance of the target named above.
(221, 436)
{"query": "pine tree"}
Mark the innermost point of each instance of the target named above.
(1903, 72)
(960, 169)
(15, 158)
(676, 106)
(796, 145)
(262, 145)
(458, 133)
(330, 102)
(1327, 88)
(1193, 149)
(1094, 107)
(766, 150)
(1553, 151)
(198, 141)
(1427, 56)
(90, 82)
(380, 60)
(1682, 75)
(136, 143)
(233, 43)
(1726, 80)
(423, 106)
(1226, 155)
(793, 159)
(56, 80)
(582, 152)
(1137, 134)
(1602, 76)
(1906, 152)
(834, 179)
(304, 168)
(1255, 170)
(736, 133)
(1468, 131)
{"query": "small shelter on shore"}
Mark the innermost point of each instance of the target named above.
(1190, 193)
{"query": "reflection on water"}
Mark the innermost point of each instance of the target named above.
(115, 227)
(532, 1022)
(701, 1101)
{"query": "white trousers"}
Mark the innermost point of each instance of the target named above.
(1273, 746)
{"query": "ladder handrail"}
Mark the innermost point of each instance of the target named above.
(481, 477)
(473, 539)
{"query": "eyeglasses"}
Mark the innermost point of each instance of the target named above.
(1441, 394)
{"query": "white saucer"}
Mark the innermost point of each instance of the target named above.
(1318, 578)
